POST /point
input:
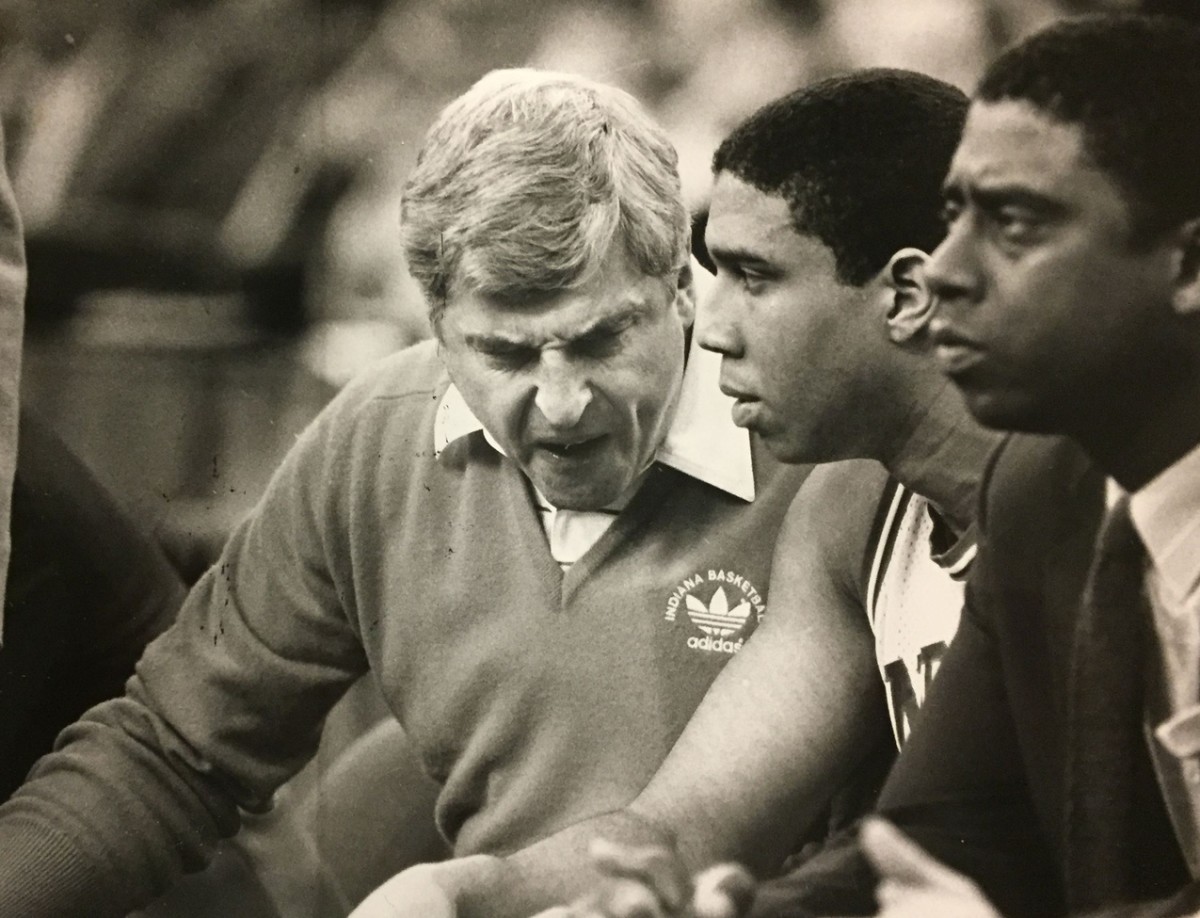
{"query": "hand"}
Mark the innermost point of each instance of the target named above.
(413, 893)
(912, 884)
(652, 882)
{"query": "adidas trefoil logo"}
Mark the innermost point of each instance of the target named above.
(717, 619)
(720, 626)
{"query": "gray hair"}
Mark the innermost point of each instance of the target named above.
(526, 180)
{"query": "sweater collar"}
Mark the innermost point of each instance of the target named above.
(702, 442)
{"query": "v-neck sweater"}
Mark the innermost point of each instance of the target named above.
(536, 698)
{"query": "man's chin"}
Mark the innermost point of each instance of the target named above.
(782, 447)
(566, 494)
(1006, 411)
(584, 500)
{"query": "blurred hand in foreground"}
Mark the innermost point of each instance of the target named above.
(413, 893)
(652, 882)
(912, 884)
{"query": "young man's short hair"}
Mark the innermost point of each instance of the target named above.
(859, 159)
(527, 179)
(1132, 85)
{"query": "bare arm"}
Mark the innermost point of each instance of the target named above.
(799, 708)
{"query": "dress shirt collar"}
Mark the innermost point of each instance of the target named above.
(1166, 513)
(702, 442)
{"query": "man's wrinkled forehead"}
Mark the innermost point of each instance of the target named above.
(1015, 142)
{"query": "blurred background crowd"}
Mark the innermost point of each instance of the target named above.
(210, 188)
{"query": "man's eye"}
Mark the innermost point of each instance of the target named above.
(750, 280)
(951, 211)
(1016, 224)
(510, 358)
(598, 346)
(753, 283)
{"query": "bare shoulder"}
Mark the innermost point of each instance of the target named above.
(825, 536)
(835, 507)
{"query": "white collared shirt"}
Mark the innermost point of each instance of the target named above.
(702, 442)
(1166, 514)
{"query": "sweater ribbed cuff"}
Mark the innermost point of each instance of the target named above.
(43, 875)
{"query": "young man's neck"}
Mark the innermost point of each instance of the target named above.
(940, 454)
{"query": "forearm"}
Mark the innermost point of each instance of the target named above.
(550, 872)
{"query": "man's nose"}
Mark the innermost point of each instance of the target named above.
(563, 391)
(951, 272)
(716, 327)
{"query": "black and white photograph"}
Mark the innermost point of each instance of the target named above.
(599, 458)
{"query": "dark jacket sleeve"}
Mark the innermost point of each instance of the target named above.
(87, 590)
(957, 788)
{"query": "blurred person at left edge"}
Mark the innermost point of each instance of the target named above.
(84, 588)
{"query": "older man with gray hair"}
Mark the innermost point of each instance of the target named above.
(541, 532)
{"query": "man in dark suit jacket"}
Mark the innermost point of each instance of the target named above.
(1056, 765)
(1064, 730)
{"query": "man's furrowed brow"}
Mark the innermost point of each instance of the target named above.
(998, 194)
(615, 321)
(488, 341)
(1004, 194)
(609, 324)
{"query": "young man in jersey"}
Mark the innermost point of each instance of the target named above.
(824, 207)
(1055, 767)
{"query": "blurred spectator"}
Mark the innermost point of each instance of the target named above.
(84, 589)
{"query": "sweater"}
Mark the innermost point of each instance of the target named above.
(535, 698)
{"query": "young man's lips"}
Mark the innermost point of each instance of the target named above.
(744, 411)
(745, 405)
(735, 393)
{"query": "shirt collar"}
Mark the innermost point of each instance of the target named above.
(1166, 514)
(702, 442)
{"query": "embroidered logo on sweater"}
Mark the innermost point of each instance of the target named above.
(718, 603)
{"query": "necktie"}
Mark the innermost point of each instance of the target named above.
(1104, 718)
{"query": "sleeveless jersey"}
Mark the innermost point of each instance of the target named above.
(914, 599)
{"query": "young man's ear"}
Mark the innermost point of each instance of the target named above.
(1186, 299)
(910, 304)
(687, 290)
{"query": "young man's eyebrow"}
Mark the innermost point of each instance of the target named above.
(736, 255)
